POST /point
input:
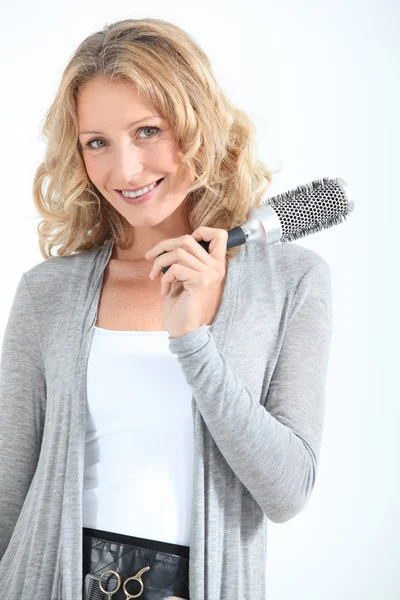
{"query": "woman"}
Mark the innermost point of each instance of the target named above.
(153, 422)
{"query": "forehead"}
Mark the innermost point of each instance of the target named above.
(110, 101)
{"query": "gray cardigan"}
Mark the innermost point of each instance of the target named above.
(258, 379)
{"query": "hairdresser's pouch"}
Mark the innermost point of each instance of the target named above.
(150, 574)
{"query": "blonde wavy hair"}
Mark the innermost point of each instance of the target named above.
(173, 73)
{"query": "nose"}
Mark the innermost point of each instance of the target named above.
(128, 163)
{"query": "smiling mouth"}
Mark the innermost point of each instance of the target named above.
(157, 183)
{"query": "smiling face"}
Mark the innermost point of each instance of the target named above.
(121, 155)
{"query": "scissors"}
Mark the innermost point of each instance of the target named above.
(137, 577)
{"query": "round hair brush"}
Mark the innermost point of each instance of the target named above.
(294, 214)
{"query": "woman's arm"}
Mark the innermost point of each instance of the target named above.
(272, 446)
(22, 409)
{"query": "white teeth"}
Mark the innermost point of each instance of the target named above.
(139, 192)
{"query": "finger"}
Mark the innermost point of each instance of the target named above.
(175, 273)
(187, 242)
(178, 256)
(191, 245)
(217, 238)
(188, 277)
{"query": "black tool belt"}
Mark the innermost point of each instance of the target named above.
(120, 566)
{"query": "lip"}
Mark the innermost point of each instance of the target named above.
(140, 199)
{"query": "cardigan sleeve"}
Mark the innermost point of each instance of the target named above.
(272, 444)
(22, 407)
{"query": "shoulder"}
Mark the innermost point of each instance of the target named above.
(59, 265)
(61, 276)
(296, 259)
(284, 265)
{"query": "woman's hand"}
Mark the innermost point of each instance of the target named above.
(193, 278)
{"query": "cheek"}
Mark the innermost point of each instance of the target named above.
(93, 168)
(184, 177)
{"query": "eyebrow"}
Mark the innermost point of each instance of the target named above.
(126, 128)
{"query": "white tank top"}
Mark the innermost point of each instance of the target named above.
(139, 440)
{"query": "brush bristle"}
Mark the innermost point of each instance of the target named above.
(310, 208)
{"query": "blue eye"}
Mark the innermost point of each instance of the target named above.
(157, 129)
(90, 142)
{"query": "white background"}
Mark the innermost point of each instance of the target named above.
(321, 83)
